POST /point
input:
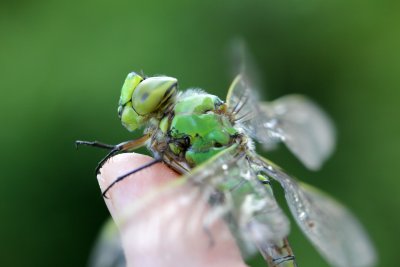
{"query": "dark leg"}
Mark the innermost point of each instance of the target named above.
(115, 149)
(94, 144)
(122, 177)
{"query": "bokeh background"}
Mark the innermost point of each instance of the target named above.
(62, 64)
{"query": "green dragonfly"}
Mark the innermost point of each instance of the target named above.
(212, 144)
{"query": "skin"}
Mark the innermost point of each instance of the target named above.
(145, 237)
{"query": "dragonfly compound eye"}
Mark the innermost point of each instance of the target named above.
(141, 97)
(129, 118)
(130, 84)
(152, 93)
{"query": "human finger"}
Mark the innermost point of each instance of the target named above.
(158, 235)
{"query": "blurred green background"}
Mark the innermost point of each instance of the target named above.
(62, 64)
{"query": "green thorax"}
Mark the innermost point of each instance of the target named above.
(199, 127)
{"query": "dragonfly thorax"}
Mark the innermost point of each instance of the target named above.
(196, 128)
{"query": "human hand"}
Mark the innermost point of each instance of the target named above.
(158, 235)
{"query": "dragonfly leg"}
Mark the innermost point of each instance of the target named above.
(94, 144)
(122, 177)
(114, 149)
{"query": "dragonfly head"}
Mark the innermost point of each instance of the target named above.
(141, 98)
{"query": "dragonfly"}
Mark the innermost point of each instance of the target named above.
(211, 142)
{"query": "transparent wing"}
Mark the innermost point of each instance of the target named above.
(304, 127)
(295, 120)
(204, 208)
(332, 229)
(251, 210)
(242, 102)
(242, 61)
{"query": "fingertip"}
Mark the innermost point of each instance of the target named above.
(133, 186)
(167, 230)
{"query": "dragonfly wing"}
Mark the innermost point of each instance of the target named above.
(253, 213)
(332, 229)
(215, 200)
(242, 102)
(304, 127)
(294, 120)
